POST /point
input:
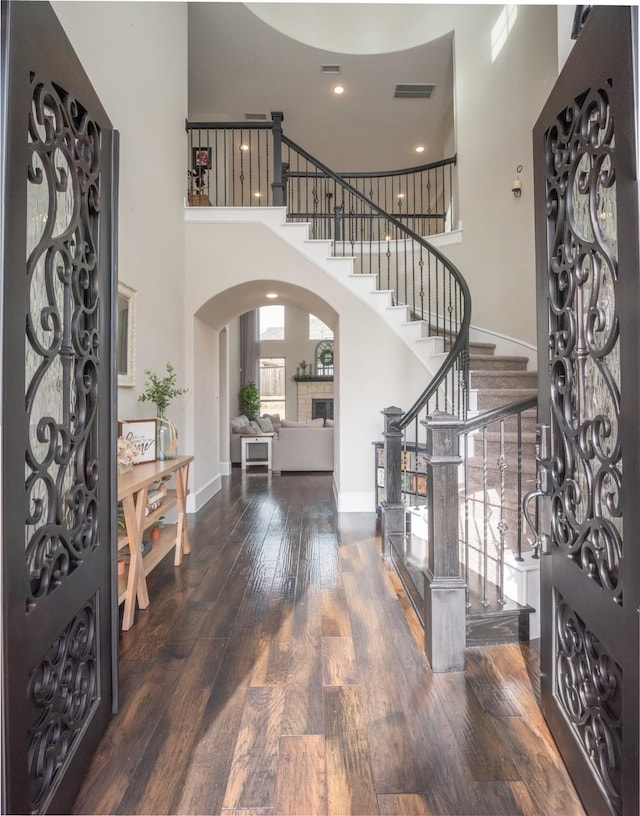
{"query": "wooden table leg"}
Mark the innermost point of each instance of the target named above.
(182, 530)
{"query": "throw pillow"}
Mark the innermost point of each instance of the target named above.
(275, 420)
(328, 423)
(266, 425)
(238, 423)
(251, 428)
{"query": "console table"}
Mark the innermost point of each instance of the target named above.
(133, 488)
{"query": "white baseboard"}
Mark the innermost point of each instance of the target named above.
(196, 500)
(355, 502)
(225, 468)
(522, 584)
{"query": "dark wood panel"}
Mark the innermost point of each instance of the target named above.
(338, 662)
(302, 776)
(157, 781)
(304, 707)
(252, 780)
(350, 787)
(404, 804)
(248, 723)
(478, 734)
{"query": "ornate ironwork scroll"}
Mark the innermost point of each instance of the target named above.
(589, 686)
(584, 349)
(61, 692)
(61, 348)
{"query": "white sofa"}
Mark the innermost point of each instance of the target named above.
(295, 447)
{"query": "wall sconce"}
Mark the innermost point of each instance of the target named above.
(516, 187)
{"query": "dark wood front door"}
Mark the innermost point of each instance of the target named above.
(589, 410)
(58, 153)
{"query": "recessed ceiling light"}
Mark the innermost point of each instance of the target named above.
(338, 89)
(244, 147)
(272, 295)
(420, 149)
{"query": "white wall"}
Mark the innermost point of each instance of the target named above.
(374, 368)
(135, 54)
(497, 103)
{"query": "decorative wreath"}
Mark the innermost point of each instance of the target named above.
(326, 357)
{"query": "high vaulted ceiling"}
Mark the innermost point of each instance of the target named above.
(240, 65)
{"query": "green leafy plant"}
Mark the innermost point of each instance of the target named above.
(250, 400)
(161, 390)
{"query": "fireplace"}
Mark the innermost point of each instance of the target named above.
(310, 390)
(322, 408)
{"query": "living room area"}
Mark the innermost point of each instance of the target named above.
(282, 394)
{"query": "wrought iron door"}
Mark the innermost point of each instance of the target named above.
(58, 152)
(589, 410)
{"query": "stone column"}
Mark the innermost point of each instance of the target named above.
(444, 601)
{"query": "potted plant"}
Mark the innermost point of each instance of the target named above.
(250, 401)
(160, 391)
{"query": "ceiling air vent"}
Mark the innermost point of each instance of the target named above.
(414, 90)
(331, 69)
(256, 117)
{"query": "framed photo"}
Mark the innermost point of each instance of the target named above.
(143, 434)
(201, 157)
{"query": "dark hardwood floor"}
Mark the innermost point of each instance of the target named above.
(279, 671)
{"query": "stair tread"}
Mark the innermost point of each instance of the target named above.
(508, 374)
(480, 358)
(497, 391)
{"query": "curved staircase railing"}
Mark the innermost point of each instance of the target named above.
(383, 221)
(255, 164)
(421, 278)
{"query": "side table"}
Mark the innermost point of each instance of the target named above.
(247, 442)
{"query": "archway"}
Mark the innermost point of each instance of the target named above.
(214, 380)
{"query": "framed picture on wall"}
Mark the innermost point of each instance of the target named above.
(201, 158)
(142, 432)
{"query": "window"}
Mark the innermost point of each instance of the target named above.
(324, 358)
(319, 330)
(272, 322)
(272, 385)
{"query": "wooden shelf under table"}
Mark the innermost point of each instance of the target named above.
(133, 488)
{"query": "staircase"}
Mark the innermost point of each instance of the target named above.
(386, 263)
(497, 380)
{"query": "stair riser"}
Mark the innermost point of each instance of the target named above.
(486, 401)
(489, 631)
(498, 363)
(503, 379)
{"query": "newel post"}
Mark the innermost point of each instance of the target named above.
(277, 185)
(444, 601)
(392, 509)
